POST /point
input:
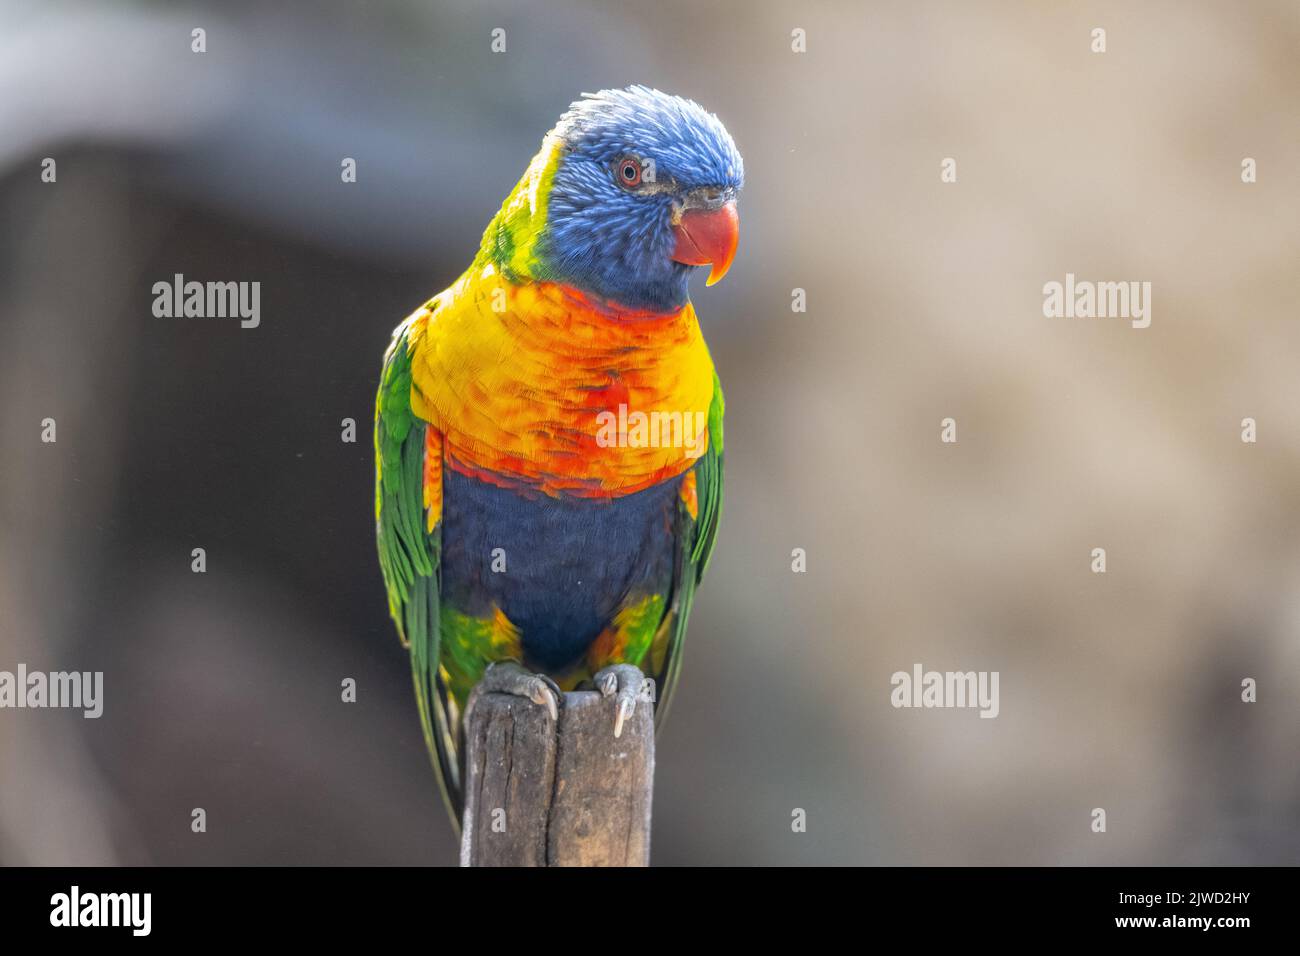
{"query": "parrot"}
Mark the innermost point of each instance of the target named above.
(548, 429)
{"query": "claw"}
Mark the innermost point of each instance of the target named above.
(625, 709)
(542, 695)
(627, 685)
(509, 677)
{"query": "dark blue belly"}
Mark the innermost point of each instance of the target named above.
(570, 562)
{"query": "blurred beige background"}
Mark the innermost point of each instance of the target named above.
(1119, 691)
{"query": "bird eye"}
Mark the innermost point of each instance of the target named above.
(628, 171)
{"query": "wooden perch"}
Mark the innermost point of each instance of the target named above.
(541, 795)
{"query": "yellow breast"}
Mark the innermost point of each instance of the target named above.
(535, 386)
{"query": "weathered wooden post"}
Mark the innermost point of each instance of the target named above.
(538, 793)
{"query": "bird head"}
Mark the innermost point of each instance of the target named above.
(631, 193)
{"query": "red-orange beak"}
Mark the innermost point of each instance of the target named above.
(708, 237)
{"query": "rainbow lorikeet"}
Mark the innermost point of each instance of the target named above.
(548, 430)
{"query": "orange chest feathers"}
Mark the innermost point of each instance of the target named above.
(532, 386)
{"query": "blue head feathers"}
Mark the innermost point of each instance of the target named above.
(632, 162)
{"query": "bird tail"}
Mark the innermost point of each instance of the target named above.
(436, 709)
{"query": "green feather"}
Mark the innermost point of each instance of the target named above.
(409, 556)
(697, 537)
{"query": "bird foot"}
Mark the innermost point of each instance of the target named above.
(627, 685)
(509, 677)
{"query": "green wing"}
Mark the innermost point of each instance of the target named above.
(696, 537)
(409, 556)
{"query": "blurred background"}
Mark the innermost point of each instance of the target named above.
(1119, 690)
